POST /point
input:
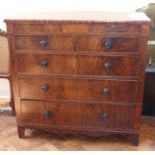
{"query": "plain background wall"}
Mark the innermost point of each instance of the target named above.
(10, 7)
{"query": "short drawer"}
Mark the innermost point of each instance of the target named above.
(45, 63)
(37, 42)
(77, 114)
(107, 65)
(106, 44)
(77, 89)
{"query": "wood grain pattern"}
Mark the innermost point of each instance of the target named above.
(65, 43)
(75, 79)
(57, 64)
(91, 28)
(95, 65)
(92, 90)
(96, 43)
(77, 64)
(85, 115)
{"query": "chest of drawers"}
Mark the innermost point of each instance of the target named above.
(80, 73)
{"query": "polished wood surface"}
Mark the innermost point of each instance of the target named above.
(97, 44)
(29, 27)
(58, 43)
(79, 72)
(76, 65)
(92, 90)
(95, 116)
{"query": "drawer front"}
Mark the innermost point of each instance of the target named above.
(36, 28)
(105, 90)
(45, 88)
(82, 89)
(80, 65)
(34, 42)
(45, 63)
(107, 44)
(76, 28)
(107, 65)
(77, 114)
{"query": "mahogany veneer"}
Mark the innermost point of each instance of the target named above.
(79, 73)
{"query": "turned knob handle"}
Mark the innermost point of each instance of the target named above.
(107, 65)
(108, 44)
(43, 42)
(105, 116)
(45, 87)
(106, 91)
(47, 113)
(44, 63)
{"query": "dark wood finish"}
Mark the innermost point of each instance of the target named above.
(95, 28)
(53, 64)
(37, 28)
(92, 90)
(118, 65)
(81, 75)
(59, 43)
(98, 44)
(64, 64)
(21, 131)
(85, 115)
(95, 90)
(33, 88)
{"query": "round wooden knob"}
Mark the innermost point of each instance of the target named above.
(108, 44)
(45, 87)
(107, 65)
(43, 42)
(106, 91)
(47, 113)
(44, 63)
(105, 116)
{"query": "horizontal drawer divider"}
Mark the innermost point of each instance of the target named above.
(106, 34)
(132, 54)
(81, 102)
(64, 76)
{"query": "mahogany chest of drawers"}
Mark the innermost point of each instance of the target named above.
(79, 73)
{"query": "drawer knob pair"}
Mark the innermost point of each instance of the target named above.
(43, 42)
(108, 44)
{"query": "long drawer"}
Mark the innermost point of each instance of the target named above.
(78, 64)
(95, 28)
(77, 89)
(77, 115)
